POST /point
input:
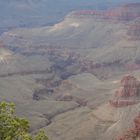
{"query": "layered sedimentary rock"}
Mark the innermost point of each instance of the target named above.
(134, 133)
(128, 94)
(125, 13)
(130, 87)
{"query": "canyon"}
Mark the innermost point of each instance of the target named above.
(66, 78)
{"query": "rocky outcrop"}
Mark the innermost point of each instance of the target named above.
(128, 94)
(134, 133)
(130, 86)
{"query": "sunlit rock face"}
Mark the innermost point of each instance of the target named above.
(133, 133)
(128, 94)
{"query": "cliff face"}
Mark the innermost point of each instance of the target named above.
(125, 13)
(129, 87)
(134, 133)
(128, 93)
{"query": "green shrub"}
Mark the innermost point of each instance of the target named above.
(15, 128)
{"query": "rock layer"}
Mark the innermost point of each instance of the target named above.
(134, 133)
(125, 13)
(128, 94)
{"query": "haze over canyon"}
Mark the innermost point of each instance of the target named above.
(73, 70)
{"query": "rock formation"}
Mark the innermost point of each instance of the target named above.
(125, 13)
(134, 133)
(134, 30)
(128, 94)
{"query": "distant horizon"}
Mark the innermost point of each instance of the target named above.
(31, 13)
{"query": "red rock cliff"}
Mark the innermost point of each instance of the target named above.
(128, 94)
(134, 133)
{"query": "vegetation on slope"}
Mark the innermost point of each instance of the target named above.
(15, 128)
